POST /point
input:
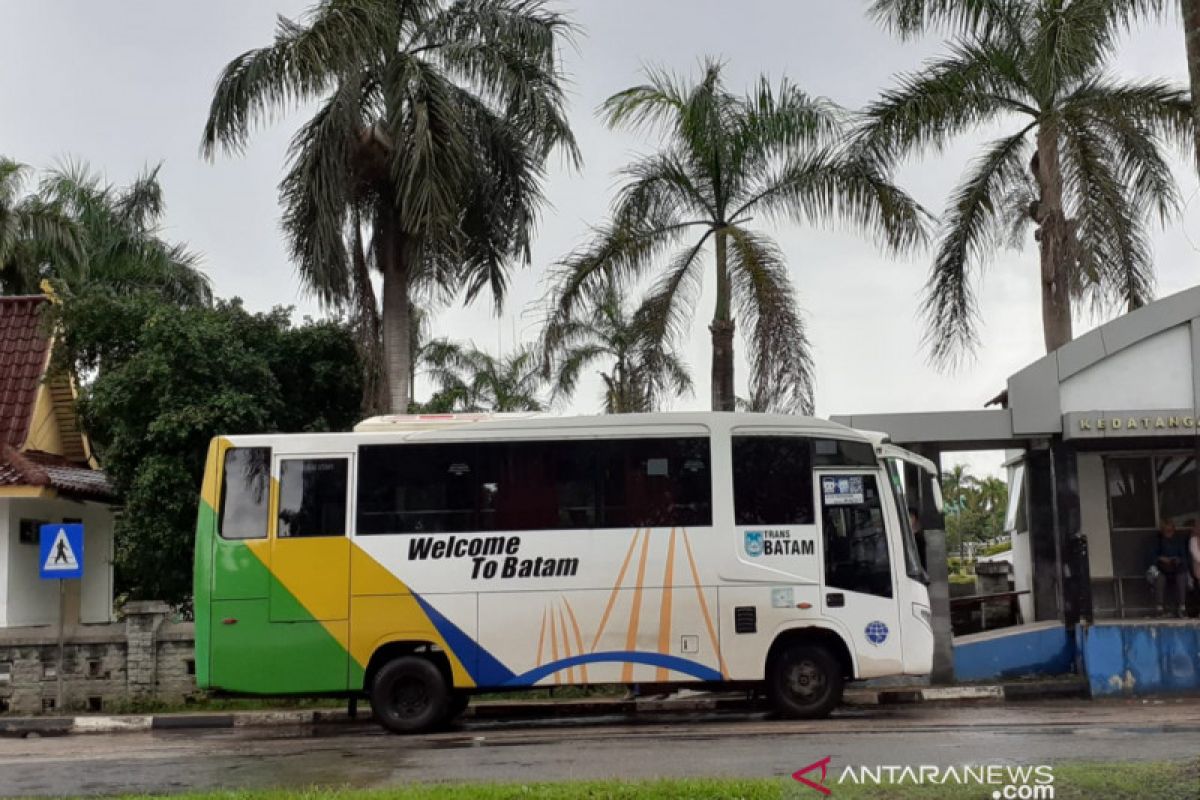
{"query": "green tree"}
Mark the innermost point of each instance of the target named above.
(975, 507)
(167, 380)
(642, 372)
(81, 230)
(1082, 162)
(727, 160)
(424, 158)
(33, 233)
(468, 379)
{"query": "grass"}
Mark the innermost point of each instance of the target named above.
(1074, 781)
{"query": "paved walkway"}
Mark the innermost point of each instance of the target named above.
(680, 745)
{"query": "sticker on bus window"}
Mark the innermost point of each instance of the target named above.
(842, 490)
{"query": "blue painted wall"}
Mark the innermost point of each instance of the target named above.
(1140, 658)
(1015, 653)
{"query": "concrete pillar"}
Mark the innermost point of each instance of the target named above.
(939, 607)
(142, 621)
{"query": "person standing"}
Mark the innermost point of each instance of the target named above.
(1171, 558)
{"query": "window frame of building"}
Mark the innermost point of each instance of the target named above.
(1153, 457)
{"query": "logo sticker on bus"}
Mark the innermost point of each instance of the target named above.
(777, 542)
(754, 543)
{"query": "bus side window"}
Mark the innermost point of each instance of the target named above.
(856, 549)
(245, 485)
(312, 497)
(772, 480)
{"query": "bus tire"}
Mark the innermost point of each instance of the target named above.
(409, 695)
(805, 682)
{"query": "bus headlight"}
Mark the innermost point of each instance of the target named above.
(922, 613)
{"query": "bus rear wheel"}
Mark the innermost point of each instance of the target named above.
(805, 682)
(409, 695)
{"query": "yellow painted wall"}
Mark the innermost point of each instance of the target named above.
(44, 433)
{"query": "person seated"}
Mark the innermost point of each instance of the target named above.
(1171, 558)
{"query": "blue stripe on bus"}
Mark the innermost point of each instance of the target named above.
(675, 663)
(484, 668)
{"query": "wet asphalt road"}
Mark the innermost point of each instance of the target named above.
(717, 745)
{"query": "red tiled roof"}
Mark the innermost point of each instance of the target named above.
(35, 468)
(24, 345)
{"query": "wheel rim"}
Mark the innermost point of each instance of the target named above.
(410, 698)
(806, 681)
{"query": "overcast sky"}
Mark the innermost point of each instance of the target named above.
(126, 84)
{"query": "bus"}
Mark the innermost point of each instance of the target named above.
(420, 560)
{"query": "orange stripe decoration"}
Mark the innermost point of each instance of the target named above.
(712, 633)
(562, 621)
(578, 637)
(664, 609)
(612, 598)
(541, 639)
(635, 612)
(554, 649)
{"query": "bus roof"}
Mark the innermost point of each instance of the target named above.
(407, 423)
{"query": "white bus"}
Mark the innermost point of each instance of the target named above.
(423, 559)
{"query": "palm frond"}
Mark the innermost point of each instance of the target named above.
(780, 356)
(909, 18)
(973, 85)
(972, 228)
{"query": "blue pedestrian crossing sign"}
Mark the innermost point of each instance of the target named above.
(61, 551)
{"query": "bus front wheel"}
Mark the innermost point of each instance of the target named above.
(805, 682)
(409, 695)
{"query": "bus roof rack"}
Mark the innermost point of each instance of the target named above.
(412, 422)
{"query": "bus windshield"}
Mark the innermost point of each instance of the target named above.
(912, 559)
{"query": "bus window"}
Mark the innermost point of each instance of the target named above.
(534, 485)
(856, 548)
(842, 453)
(312, 497)
(772, 480)
(244, 484)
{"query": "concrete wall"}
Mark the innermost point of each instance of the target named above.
(1141, 659)
(1153, 373)
(105, 667)
(4, 548)
(32, 601)
(1042, 648)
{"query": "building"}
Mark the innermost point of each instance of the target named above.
(1103, 439)
(46, 475)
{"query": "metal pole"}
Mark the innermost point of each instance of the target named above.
(62, 623)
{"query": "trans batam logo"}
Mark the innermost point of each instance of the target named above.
(777, 542)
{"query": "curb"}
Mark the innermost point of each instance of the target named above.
(533, 709)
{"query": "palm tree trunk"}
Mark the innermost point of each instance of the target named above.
(1054, 240)
(395, 253)
(723, 397)
(1191, 34)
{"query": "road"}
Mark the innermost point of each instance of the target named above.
(718, 745)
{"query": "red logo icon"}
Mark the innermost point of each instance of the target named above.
(820, 786)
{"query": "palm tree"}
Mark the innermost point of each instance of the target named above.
(468, 379)
(425, 156)
(643, 372)
(1083, 162)
(727, 160)
(33, 233)
(120, 231)
(78, 230)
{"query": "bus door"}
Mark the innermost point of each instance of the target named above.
(309, 596)
(859, 587)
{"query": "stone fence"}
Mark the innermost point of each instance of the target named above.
(105, 667)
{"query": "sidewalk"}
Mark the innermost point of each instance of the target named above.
(684, 701)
